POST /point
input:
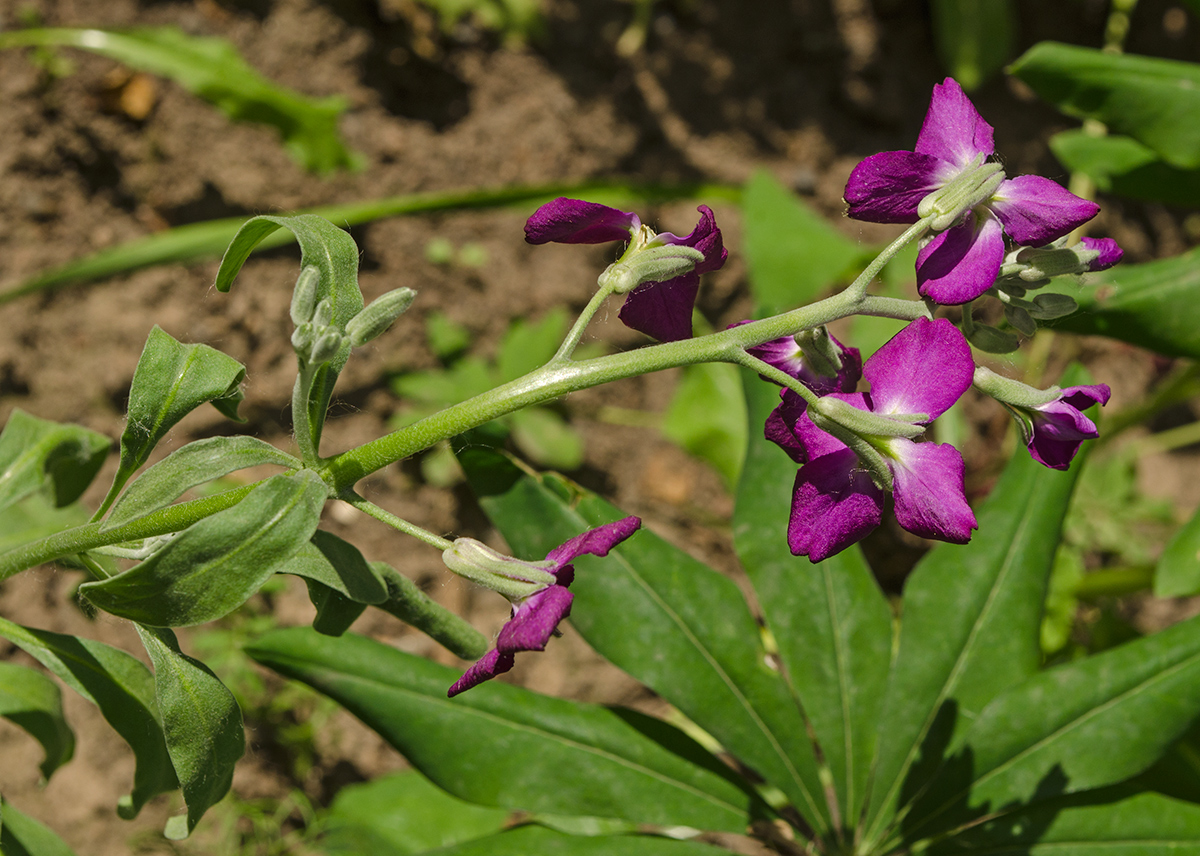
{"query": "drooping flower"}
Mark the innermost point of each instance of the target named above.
(948, 174)
(814, 357)
(914, 378)
(1053, 432)
(659, 308)
(537, 591)
(1106, 250)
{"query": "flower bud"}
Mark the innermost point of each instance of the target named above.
(304, 295)
(1012, 392)
(991, 340)
(326, 346)
(303, 338)
(379, 315)
(513, 578)
(822, 353)
(1049, 306)
(323, 314)
(1020, 319)
(865, 423)
(973, 186)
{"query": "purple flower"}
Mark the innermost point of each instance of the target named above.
(661, 309)
(1054, 431)
(961, 262)
(535, 616)
(914, 378)
(839, 370)
(1106, 248)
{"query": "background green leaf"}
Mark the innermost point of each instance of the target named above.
(1178, 571)
(707, 417)
(31, 700)
(36, 452)
(212, 68)
(21, 835)
(974, 38)
(499, 745)
(1123, 166)
(547, 842)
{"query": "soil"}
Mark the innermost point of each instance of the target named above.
(721, 88)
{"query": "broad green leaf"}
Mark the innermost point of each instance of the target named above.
(1178, 571)
(830, 620)
(1114, 821)
(123, 690)
(970, 630)
(202, 724)
(211, 568)
(1155, 101)
(547, 439)
(1154, 305)
(546, 842)
(1124, 167)
(793, 254)
(31, 700)
(403, 813)
(335, 611)
(36, 452)
(498, 745)
(212, 69)
(707, 417)
(21, 835)
(339, 565)
(974, 38)
(185, 468)
(670, 621)
(1177, 773)
(530, 345)
(170, 381)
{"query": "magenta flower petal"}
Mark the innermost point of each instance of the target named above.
(573, 221)
(535, 620)
(928, 491)
(813, 440)
(1036, 210)
(491, 664)
(962, 262)
(924, 368)
(779, 428)
(1060, 427)
(834, 505)
(596, 542)
(706, 238)
(785, 355)
(888, 187)
(662, 310)
(953, 129)
(1109, 252)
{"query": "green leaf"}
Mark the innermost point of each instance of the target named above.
(707, 417)
(547, 842)
(1124, 167)
(1178, 571)
(185, 468)
(31, 700)
(673, 623)
(335, 611)
(170, 381)
(202, 724)
(974, 38)
(339, 565)
(794, 255)
(1113, 821)
(212, 69)
(971, 629)
(498, 745)
(547, 439)
(21, 835)
(831, 622)
(403, 813)
(1154, 305)
(527, 346)
(1155, 101)
(123, 690)
(35, 452)
(211, 568)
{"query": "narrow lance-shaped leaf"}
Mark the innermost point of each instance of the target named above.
(972, 617)
(190, 466)
(36, 452)
(170, 381)
(202, 724)
(547, 842)
(338, 564)
(667, 619)
(213, 69)
(121, 687)
(830, 620)
(211, 568)
(503, 746)
(21, 835)
(31, 700)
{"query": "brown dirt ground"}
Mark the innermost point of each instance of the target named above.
(803, 88)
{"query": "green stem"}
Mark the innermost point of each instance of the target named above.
(385, 516)
(301, 394)
(858, 288)
(572, 341)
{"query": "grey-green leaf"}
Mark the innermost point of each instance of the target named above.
(36, 452)
(212, 567)
(212, 69)
(337, 564)
(123, 690)
(31, 700)
(503, 746)
(1155, 101)
(185, 468)
(21, 835)
(202, 724)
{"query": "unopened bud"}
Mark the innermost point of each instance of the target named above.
(510, 577)
(868, 424)
(1020, 319)
(303, 338)
(1012, 392)
(821, 353)
(378, 315)
(991, 340)
(323, 314)
(326, 346)
(304, 295)
(1051, 305)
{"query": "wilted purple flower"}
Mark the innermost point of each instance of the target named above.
(962, 260)
(535, 616)
(839, 370)
(1108, 253)
(1054, 431)
(661, 309)
(914, 378)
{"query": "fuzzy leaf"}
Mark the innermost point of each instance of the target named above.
(35, 452)
(31, 700)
